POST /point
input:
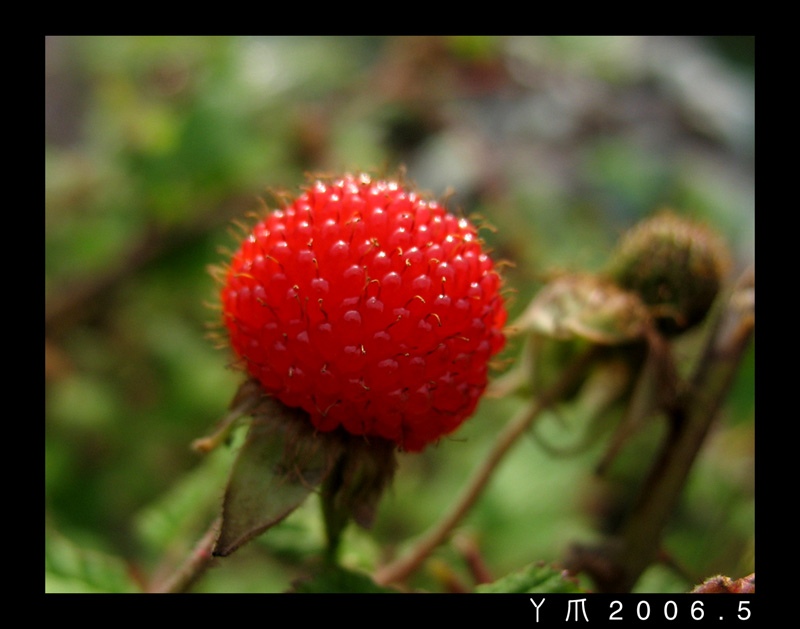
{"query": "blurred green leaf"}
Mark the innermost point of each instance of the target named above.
(536, 578)
(68, 568)
(186, 508)
(336, 579)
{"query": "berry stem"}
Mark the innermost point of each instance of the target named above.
(399, 570)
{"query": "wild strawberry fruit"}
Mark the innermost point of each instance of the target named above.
(371, 308)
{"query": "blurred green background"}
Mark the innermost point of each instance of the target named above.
(153, 145)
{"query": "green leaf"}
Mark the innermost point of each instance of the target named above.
(281, 462)
(536, 578)
(335, 579)
(68, 568)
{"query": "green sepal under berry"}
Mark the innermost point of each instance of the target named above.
(284, 459)
(278, 466)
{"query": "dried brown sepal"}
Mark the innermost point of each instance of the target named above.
(365, 470)
(725, 585)
(586, 307)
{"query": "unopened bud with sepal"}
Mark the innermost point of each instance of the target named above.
(675, 265)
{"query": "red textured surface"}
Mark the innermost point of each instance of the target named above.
(369, 307)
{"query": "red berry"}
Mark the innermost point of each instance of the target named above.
(371, 308)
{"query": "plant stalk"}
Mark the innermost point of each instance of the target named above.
(193, 567)
(617, 564)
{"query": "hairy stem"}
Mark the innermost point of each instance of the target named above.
(193, 567)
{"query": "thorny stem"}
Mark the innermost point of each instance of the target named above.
(193, 567)
(402, 568)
